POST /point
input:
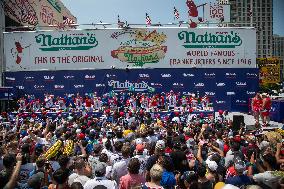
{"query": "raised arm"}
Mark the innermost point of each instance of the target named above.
(13, 179)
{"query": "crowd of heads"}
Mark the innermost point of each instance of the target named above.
(126, 147)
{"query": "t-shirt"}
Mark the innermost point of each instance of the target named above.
(120, 169)
(74, 177)
(131, 180)
(100, 181)
(267, 178)
(24, 173)
(241, 180)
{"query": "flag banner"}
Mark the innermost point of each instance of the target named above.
(176, 13)
(148, 19)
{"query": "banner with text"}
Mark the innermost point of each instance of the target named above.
(227, 88)
(132, 48)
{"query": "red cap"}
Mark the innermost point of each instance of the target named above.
(220, 112)
(176, 113)
(130, 113)
(107, 111)
(81, 136)
(140, 147)
(121, 114)
(237, 138)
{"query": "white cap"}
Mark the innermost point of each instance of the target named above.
(78, 131)
(212, 165)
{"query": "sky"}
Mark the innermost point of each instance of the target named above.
(133, 11)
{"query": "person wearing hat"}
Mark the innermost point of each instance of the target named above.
(159, 151)
(100, 181)
(139, 154)
(36, 181)
(240, 179)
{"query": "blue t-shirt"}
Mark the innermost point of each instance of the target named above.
(242, 180)
(168, 180)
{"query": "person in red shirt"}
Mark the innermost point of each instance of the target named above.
(88, 103)
(256, 106)
(266, 106)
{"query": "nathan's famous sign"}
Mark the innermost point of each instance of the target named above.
(66, 42)
(132, 48)
(210, 40)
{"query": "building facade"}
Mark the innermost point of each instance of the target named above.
(258, 14)
(278, 51)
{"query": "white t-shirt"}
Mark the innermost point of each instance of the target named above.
(120, 169)
(100, 181)
(74, 177)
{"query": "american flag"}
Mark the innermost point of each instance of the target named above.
(176, 13)
(148, 19)
(68, 21)
(250, 13)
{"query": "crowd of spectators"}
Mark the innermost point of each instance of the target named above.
(128, 147)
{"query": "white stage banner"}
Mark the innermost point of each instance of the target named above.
(132, 48)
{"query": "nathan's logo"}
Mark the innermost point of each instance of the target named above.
(210, 40)
(143, 47)
(220, 84)
(84, 41)
(121, 86)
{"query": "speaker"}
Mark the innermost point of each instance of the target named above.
(238, 121)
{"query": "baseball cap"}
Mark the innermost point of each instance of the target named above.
(140, 147)
(240, 166)
(212, 165)
(35, 180)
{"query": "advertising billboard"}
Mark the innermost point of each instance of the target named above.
(131, 48)
(39, 13)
